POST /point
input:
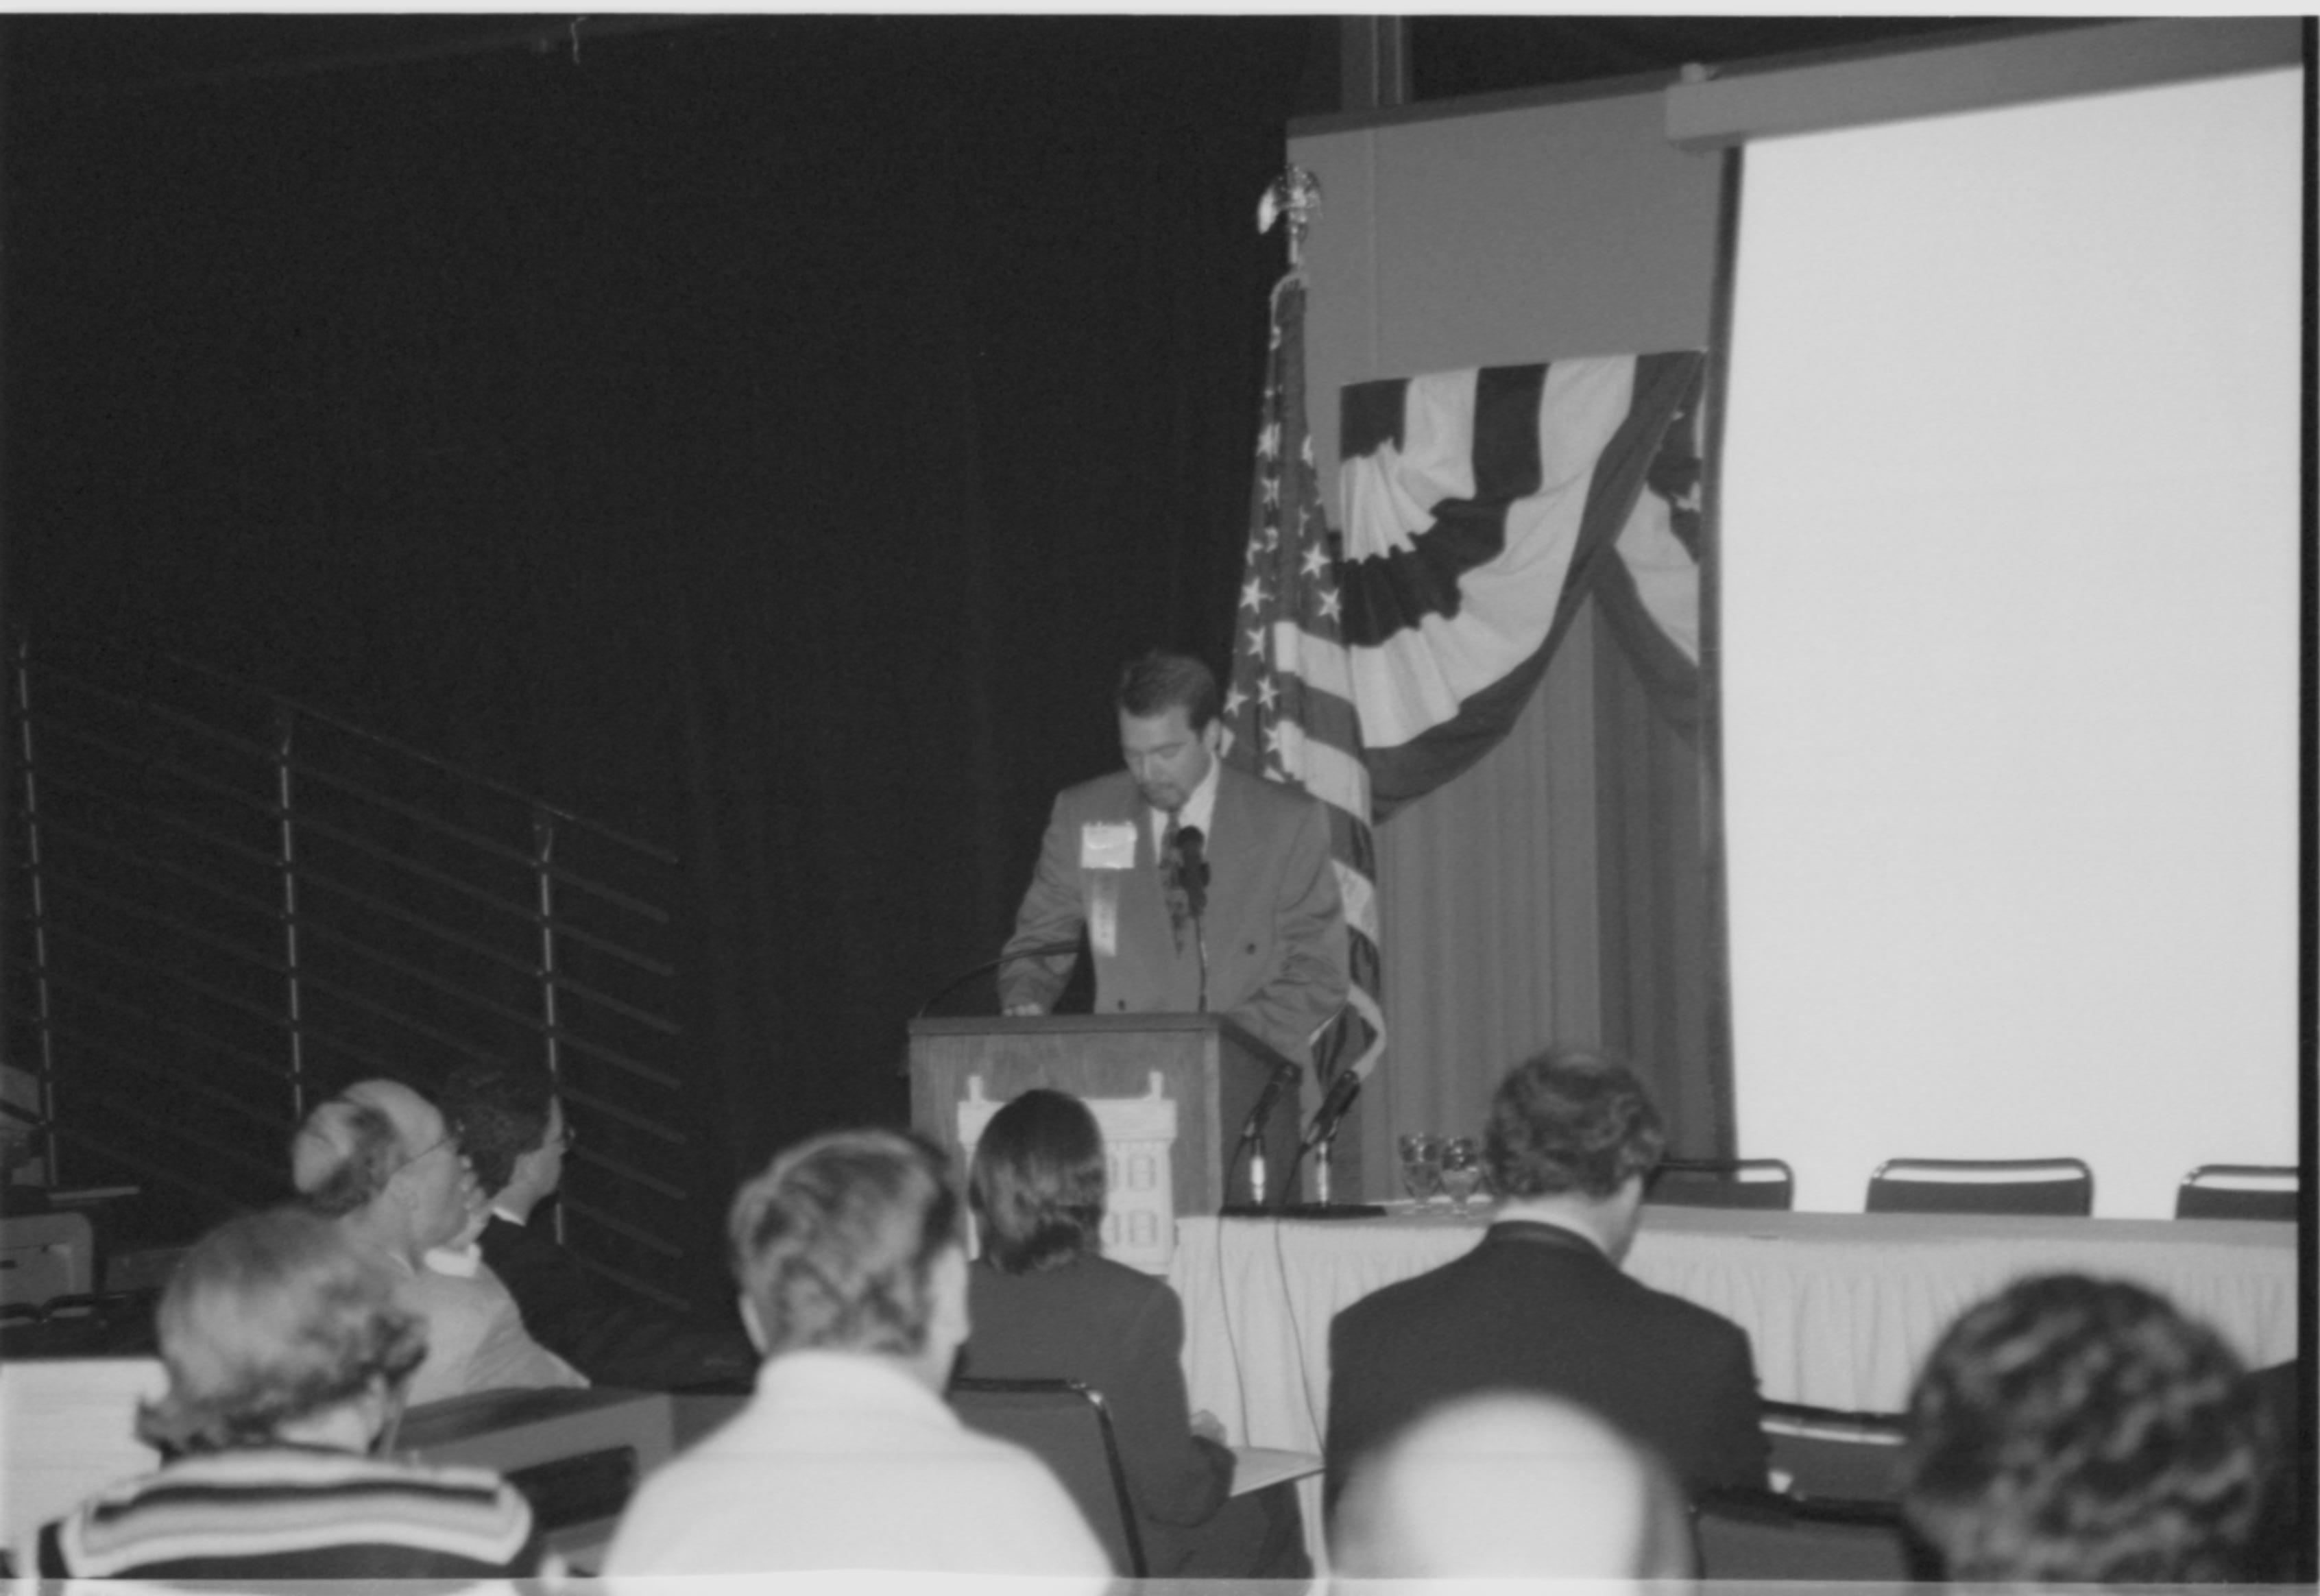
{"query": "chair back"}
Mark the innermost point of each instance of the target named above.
(1067, 1425)
(44, 1256)
(1829, 1456)
(1759, 1535)
(1723, 1183)
(1982, 1185)
(2239, 1192)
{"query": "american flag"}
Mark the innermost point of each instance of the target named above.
(1288, 715)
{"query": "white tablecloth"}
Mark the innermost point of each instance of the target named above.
(1841, 1308)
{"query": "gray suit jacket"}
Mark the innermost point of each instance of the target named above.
(1275, 931)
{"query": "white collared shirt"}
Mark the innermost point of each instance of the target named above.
(1200, 809)
(846, 1460)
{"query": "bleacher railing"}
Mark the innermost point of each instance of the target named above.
(223, 906)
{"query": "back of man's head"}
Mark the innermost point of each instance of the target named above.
(835, 1244)
(2071, 1429)
(1569, 1123)
(499, 1112)
(269, 1318)
(1154, 683)
(1511, 1485)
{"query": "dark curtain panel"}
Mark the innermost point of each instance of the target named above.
(767, 436)
(1653, 898)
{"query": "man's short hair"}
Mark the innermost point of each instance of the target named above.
(498, 1113)
(344, 1155)
(1570, 1120)
(2071, 1429)
(1157, 682)
(269, 1318)
(1037, 1188)
(835, 1244)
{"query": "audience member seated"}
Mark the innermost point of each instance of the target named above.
(379, 1160)
(1045, 1305)
(287, 1354)
(2072, 1429)
(1507, 1485)
(510, 1123)
(853, 1267)
(1541, 1305)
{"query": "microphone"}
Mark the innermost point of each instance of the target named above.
(1252, 1132)
(1045, 950)
(1193, 868)
(1185, 872)
(1333, 1108)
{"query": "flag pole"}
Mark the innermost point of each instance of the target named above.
(1291, 715)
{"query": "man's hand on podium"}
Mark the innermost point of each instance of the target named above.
(1026, 1010)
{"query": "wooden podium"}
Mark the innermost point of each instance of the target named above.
(1213, 1069)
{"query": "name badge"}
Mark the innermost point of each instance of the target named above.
(1108, 845)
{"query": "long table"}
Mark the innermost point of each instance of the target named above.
(1841, 1308)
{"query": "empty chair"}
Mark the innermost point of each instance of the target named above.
(1829, 1456)
(1070, 1429)
(2238, 1191)
(1723, 1183)
(1982, 1185)
(1758, 1535)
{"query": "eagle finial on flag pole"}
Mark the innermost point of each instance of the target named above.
(1296, 193)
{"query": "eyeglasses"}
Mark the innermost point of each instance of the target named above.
(438, 1145)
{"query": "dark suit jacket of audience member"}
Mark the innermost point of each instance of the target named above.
(1122, 1332)
(599, 1329)
(1538, 1308)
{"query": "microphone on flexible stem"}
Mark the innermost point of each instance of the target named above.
(1045, 950)
(1323, 1130)
(1321, 1133)
(1252, 1131)
(1192, 875)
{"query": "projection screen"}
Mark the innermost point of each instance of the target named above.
(2009, 534)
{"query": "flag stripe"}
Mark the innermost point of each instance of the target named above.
(1360, 896)
(1330, 774)
(1665, 576)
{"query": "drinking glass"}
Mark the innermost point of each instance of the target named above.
(1421, 1164)
(1461, 1171)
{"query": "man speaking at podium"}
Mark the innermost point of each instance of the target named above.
(1201, 889)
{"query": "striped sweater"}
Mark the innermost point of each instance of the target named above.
(297, 1512)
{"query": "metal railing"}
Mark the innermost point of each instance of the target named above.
(224, 906)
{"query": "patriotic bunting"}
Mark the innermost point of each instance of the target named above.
(1480, 506)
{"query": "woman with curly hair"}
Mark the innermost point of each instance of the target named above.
(288, 1356)
(2078, 1431)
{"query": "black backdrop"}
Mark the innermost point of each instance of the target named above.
(763, 435)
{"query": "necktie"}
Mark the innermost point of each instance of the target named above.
(1171, 881)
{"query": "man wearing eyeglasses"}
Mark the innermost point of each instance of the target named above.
(379, 1159)
(510, 1123)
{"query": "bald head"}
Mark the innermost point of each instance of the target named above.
(379, 1154)
(1510, 1486)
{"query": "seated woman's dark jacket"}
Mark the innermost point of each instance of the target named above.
(1122, 1332)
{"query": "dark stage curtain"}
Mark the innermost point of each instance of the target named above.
(765, 435)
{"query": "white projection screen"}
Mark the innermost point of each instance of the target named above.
(2009, 534)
